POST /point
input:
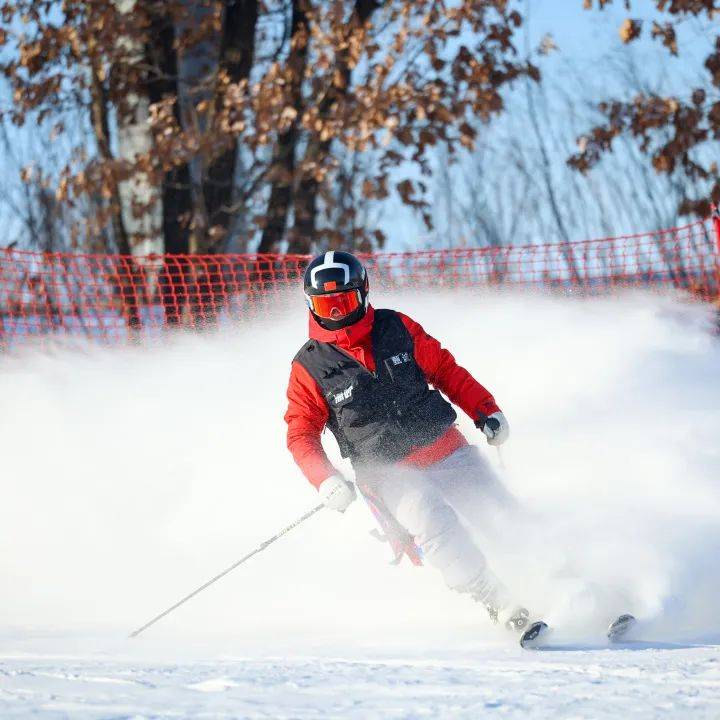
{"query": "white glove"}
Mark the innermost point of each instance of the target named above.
(496, 429)
(337, 493)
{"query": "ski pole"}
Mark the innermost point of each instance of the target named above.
(501, 459)
(257, 550)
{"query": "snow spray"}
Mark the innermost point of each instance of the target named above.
(132, 474)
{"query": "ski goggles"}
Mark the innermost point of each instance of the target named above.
(334, 306)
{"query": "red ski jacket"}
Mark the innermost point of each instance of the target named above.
(308, 412)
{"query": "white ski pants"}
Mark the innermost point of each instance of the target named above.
(438, 504)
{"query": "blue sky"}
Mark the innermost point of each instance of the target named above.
(587, 38)
(588, 33)
(587, 41)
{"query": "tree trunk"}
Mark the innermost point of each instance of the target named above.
(101, 131)
(282, 170)
(123, 279)
(177, 195)
(140, 197)
(317, 151)
(237, 51)
(177, 200)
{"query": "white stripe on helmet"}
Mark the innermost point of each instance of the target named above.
(329, 264)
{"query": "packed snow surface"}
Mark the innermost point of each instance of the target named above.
(492, 682)
(132, 475)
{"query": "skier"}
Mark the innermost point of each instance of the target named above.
(365, 374)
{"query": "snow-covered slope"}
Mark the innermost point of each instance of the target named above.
(131, 476)
(488, 683)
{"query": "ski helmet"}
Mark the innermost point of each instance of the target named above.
(336, 289)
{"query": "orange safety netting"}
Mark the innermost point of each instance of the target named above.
(113, 298)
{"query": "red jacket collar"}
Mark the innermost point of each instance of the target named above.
(348, 337)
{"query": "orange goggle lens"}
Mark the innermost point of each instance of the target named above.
(335, 306)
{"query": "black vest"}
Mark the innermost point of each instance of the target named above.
(381, 416)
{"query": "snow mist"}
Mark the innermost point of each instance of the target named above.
(132, 475)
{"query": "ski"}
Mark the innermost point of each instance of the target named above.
(537, 632)
(620, 627)
(532, 636)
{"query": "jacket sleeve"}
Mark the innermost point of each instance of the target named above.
(306, 416)
(446, 375)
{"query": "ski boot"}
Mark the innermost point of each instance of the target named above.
(492, 595)
(513, 618)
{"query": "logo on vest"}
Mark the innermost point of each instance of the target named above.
(344, 395)
(400, 359)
